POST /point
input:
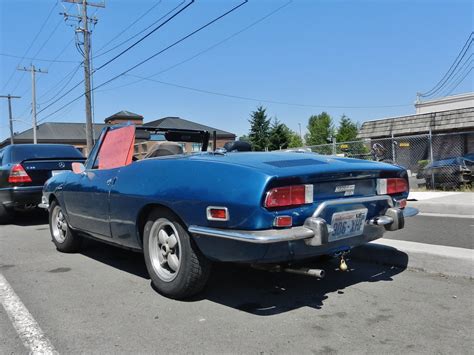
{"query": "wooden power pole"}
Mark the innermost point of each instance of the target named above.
(10, 117)
(33, 71)
(84, 20)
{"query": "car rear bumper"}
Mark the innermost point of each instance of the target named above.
(314, 228)
(311, 239)
(20, 196)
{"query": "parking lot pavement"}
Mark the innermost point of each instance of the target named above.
(101, 301)
(439, 230)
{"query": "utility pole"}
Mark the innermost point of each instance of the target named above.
(10, 97)
(84, 20)
(33, 71)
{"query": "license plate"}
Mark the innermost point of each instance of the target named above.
(57, 172)
(348, 224)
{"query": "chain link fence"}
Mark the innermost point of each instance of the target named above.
(438, 161)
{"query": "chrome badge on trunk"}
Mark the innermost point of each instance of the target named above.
(347, 189)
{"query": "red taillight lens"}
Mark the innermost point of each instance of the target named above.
(217, 214)
(283, 221)
(289, 196)
(18, 175)
(391, 186)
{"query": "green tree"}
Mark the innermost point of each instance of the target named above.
(295, 140)
(347, 130)
(280, 135)
(320, 129)
(244, 138)
(259, 129)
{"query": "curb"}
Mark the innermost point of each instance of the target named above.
(438, 207)
(433, 259)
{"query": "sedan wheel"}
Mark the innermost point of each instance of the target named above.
(176, 266)
(165, 249)
(62, 235)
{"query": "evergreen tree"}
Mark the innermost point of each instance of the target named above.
(295, 140)
(280, 135)
(259, 129)
(347, 130)
(320, 129)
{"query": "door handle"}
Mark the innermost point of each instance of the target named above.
(111, 181)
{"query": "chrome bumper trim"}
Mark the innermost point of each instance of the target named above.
(43, 205)
(259, 236)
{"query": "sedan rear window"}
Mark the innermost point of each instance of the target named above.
(39, 151)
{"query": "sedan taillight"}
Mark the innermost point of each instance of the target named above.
(391, 186)
(18, 175)
(289, 196)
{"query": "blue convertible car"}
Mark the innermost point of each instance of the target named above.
(138, 190)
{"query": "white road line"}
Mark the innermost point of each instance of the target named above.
(447, 215)
(25, 325)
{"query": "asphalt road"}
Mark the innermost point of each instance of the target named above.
(100, 300)
(453, 232)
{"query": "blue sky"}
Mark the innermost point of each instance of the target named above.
(343, 57)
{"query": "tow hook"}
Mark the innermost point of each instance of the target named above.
(342, 263)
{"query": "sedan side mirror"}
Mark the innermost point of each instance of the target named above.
(78, 168)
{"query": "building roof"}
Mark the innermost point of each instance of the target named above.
(124, 115)
(54, 132)
(453, 102)
(459, 119)
(180, 123)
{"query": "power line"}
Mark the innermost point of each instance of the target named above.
(79, 83)
(150, 57)
(247, 98)
(71, 76)
(130, 25)
(140, 32)
(144, 37)
(208, 48)
(461, 80)
(38, 59)
(453, 67)
(31, 44)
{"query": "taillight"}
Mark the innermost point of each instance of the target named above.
(391, 186)
(289, 196)
(217, 213)
(18, 175)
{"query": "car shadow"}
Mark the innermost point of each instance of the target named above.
(34, 217)
(266, 293)
(258, 292)
(122, 259)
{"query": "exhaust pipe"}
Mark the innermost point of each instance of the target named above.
(318, 273)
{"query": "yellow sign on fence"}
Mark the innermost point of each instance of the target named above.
(404, 145)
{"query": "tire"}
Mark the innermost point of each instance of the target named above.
(63, 237)
(176, 266)
(5, 215)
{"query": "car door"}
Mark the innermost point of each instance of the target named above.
(87, 194)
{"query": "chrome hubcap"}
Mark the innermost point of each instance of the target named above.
(58, 225)
(165, 249)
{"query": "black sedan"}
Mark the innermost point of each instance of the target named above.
(25, 168)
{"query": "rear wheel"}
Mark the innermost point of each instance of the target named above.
(65, 239)
(176, 266)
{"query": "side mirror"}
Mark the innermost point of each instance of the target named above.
(78, 168)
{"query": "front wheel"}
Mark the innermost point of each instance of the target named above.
(64, 238)
(176, 266)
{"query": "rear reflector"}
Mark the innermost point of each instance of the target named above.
(391, 186)
(217, 214)
(283, 221)
(289, 196)
(18, 175)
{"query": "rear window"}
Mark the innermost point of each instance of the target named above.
(20, 153)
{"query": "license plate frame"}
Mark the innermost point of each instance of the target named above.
(347, 224)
